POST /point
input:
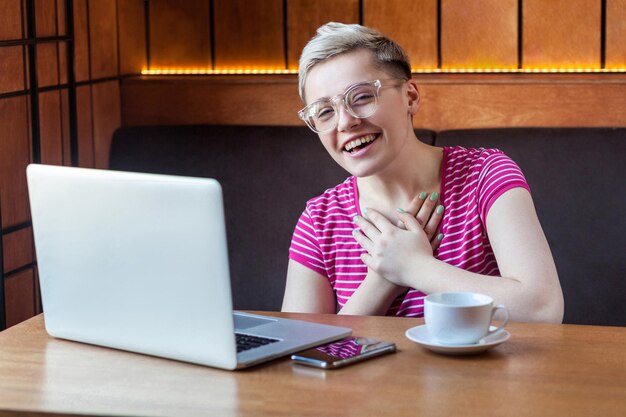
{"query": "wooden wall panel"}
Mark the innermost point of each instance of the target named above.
(413, 24)
(12, 69)
(305, 16)
(103, 38)
(479, 34)
(180, 34)
(14, 156)
(106, 118)
(84, 126)
(132, 32)
(449, 105)
(46, 18)
(47, 65)
(17, 249)
(81, 41)
(65, 127)
(615, 34)
(62, 53)
(249, 34)
(19, 291)
(10, 19)
(448, 102)
(50, 128)
(275, 102)
(61, 18)
(561, 33)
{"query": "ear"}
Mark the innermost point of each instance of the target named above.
(413, 96)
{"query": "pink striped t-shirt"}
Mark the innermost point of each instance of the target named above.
(471, 180)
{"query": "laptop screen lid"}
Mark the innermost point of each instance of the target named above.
(134, 261)
(140, 262)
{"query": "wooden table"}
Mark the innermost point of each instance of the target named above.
(542, 370)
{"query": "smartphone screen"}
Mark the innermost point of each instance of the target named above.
(343, 352)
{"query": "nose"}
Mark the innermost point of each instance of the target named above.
(345, 121)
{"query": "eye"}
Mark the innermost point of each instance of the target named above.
(361, 97)
(324, 111)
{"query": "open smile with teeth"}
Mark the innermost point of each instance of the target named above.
(361, 142)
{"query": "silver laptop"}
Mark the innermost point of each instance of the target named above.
(139, 262)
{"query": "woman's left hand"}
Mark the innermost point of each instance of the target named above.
(392, 251)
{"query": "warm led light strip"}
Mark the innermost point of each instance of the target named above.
(258, 71)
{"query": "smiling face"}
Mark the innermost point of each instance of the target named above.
(365, 146)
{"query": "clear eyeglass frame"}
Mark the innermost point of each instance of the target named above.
(310, 113)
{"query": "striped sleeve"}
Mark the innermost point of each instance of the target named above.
(498, 175)
(305, 248)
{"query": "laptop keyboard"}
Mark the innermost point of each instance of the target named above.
(247, 342)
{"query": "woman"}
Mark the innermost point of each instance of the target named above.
(355, 250)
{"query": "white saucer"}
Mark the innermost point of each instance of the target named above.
(420, 335)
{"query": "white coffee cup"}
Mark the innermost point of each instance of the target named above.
(461, 318)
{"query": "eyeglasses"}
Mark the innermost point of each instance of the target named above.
(360, 100)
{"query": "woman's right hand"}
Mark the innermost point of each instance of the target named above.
(428, 212)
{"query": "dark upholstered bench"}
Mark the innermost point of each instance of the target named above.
(268, 173)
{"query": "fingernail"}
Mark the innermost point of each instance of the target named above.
(440, 209)
(434, 196)
(354, 232)
(423, 195)
(364, 210)
(440, 237)
(355, 218)
(400, 210)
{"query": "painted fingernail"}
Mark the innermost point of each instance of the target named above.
(440, 237)
(354, 232)
(434, 196)
(355, 218)
(440, 209)
(399, 210)
(364, 210)
(423, 195)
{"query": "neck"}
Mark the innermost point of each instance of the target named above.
(415, 169)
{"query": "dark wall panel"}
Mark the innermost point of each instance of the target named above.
(12, 69)
(14, 156)
(132, 32)
(249, 34)
(305, 16)
(103, 38)
(562, 33)
(179, 34)
(413, 24)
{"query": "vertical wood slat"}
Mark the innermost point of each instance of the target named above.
(81, 41)
(17, 249)
(106, 118)
(11, 69)
(249, 34)
(14, 156)
(132, 32)
(412, 24)
(45, 18)
(10, 20)
(61, 18)
(305, 16)
(50, 128)
(20, 296)
(561, 33)
(84, 127)
(47, 65)
(179, 34)
(480, 34)
(615, 52)
(103, 38)
(65, 128)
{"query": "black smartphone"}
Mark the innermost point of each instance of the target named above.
(343, 352)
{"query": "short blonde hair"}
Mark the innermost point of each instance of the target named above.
(338, 38)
